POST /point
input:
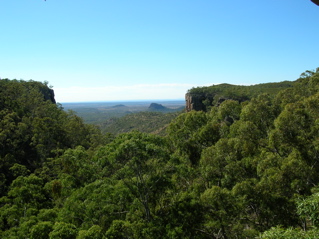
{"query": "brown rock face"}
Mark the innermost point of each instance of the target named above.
(198, 102)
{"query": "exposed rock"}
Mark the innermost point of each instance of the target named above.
(198, 102)
(48, 94)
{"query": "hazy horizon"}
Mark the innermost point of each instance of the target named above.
(167, 102)
(118, 101)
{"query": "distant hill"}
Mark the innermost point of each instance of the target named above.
(155, 106)
(119, 106)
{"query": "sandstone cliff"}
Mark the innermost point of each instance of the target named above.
(198, 102)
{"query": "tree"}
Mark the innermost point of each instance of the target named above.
(144, 171)
(260, 112)
(41, 230)
(94, 232)
(229, 111)
(183, 133)
(63, 230)
(222, 212)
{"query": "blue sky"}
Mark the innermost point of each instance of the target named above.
(104, 50)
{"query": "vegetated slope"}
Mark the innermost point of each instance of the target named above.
(33, 128)
(147, 122)
(240, 170)
(236, 92)
(201, 98)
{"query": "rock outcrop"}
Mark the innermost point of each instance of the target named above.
(198, 102)
(48, 94)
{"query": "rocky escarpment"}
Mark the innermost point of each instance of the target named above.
(48, 94)
(198, 102)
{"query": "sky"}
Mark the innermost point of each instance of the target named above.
(120, 50)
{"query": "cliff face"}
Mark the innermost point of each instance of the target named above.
(198, 102)
(48, 94)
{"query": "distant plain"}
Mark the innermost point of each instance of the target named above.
(99, 112)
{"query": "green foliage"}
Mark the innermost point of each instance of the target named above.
(222, 210)
(184, 134)
(291, 233)
(147, 122)
(94, 232)
(241, 170)
(63, 230)
(237, 92)
(41, 230)
(308, 209)
(34, 129)
(229, 110)
(260, 111)
(27, 192)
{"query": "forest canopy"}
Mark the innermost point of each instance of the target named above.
(240, 170)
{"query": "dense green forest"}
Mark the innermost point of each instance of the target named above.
(145, 121)
(215, 94)
(240, 170)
